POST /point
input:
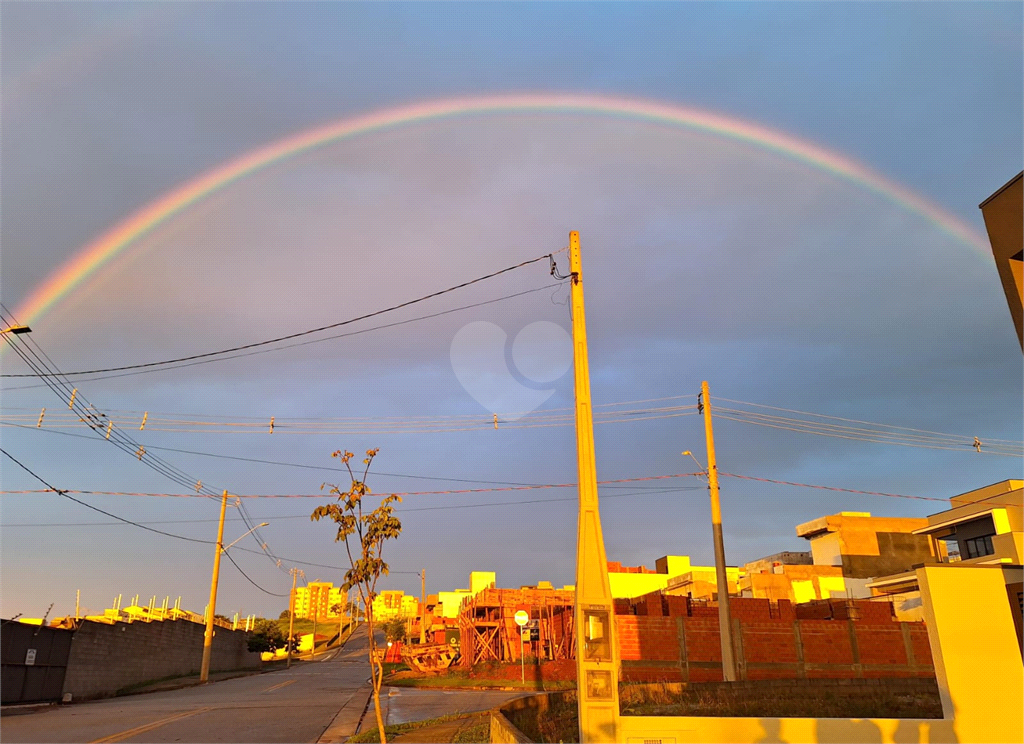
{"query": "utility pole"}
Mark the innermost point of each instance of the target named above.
(722, 578)
(597, 655)
(78, 597)
(291, 616)
(423, 606)
(204, 673)
(314, 598)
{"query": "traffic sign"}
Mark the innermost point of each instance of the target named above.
(522, 618)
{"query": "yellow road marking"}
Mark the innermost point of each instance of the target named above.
(278, 687)
(148, 727)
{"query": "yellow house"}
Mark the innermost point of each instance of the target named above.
(674, 574)
(450, 602)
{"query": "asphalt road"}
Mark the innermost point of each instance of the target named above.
(295, 705)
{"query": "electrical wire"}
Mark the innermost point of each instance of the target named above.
(304, 466)
(97, 509)
(301, 343)
(381, 494)
(272, 594)
(299, 334)
(858, 421)
(36, 358)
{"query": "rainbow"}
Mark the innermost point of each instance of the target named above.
(96, 254)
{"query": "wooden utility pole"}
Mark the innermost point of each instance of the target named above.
(204, 672)
(597, 656)
(423, 606)
(291, 616)
(722, 578)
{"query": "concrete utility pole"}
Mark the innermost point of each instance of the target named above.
(724, 615)
(597, 656)
(291, 616)
(423, 606)
(204, 673)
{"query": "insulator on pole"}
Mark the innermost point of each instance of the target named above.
(39, 423)
(271, 425)
(145, 416)
(71, 403)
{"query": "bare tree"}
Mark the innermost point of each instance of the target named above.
(371, 529)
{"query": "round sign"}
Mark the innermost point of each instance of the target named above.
(522, 618)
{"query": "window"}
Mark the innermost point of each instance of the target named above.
(979, 546)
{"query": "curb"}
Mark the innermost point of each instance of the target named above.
(25, 709)
(347, 721)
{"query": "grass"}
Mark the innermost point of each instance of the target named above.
(390, 732)
(810, 701)
(476, 732)
(451, 681)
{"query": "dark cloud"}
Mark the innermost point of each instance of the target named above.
(703, 259)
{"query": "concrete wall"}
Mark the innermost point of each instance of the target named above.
(106, 658)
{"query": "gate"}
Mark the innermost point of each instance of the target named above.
(33, 660)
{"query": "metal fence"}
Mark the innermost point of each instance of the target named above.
(34, 660)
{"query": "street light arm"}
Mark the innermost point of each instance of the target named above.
(702, 468)
(225, 548)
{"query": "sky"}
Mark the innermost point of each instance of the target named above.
(855, 285)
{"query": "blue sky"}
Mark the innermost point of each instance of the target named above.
(704, 258)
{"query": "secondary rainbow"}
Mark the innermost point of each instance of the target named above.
(96, 254)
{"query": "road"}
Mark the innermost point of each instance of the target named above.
(294, 705)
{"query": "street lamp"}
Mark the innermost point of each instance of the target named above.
(204, 672)
(264, 524)
(17, 330)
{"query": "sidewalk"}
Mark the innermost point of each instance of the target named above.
(347, 721)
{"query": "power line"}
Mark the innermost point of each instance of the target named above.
(272, 594)
(95, 420)
(858, 421)
(300, 333)
(303, 466)
(302, 343)
(97, 509)
(383, 493)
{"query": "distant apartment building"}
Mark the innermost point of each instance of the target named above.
(1005, 224)
(391, 605)
(317, 600)
(983, 527)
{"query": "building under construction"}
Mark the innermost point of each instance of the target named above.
(488, 630)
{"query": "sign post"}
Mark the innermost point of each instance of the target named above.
(522, 617)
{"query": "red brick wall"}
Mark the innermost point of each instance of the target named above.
(772, 647)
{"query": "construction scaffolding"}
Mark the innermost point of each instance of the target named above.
(489, 632)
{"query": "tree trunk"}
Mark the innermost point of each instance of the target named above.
(376, 678)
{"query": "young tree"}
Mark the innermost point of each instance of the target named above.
(394, 630)
(267, 636)
(364, 532)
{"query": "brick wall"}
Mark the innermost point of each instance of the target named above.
(106, 658)
(674, 639)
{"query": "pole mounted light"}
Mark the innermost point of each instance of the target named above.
(204, 671)
(16, 330)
